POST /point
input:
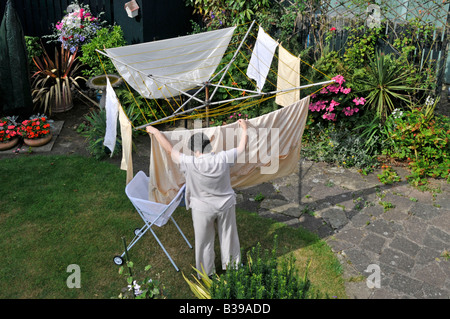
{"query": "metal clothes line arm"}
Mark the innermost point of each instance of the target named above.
(235, 99)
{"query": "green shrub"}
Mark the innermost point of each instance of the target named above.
(107, 37)
(95, 130)
(339, 145)
(263, 278)
(422, 140)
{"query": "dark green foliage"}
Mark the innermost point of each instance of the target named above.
(263, 277)
(15, 91)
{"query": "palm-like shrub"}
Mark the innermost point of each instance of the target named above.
(55, 79)
(387, 85)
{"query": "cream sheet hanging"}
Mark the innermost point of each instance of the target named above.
(127, 144)
(288, 77)
(256, 168)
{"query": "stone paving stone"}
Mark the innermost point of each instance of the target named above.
(358, 258)
(383, 293)
(404, 245)
(424, 211)
(310, 223)
(442, 221)
(382, 227)
(438, 233)
(434, 243)
(335, 217)
(360, 220)
(407, 285)
(431, 292)
(414, 229)
(425, 255)
(397, 259)
(353, 236)
(373, 243)
(432, 274)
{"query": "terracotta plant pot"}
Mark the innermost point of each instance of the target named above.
(35, 142)
(9, 144)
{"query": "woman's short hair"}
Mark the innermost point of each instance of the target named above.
(200, 142)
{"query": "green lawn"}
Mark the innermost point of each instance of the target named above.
(61, 210)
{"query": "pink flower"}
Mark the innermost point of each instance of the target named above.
(313, 96)
(333, 89)
(329, 116)
(339, 79)
(333, 29)
(332, 105)
(359, 101)
(348, 111)
(59, 26)
(346, 90)
(324, 91)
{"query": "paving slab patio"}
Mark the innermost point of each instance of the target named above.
(400, 229)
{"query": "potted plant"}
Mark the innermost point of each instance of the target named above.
(55, 79)
(35, 131)
(8, 133)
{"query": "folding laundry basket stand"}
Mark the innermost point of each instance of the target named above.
(152, 213)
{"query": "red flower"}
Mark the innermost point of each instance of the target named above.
(333, 29)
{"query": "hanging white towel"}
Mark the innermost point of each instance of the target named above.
(288, 77)
(261, 58)
(112, 111)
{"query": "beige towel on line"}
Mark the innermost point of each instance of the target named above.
(127, 144)
(166, 179)
(288, 77)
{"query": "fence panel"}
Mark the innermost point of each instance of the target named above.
(396, 16)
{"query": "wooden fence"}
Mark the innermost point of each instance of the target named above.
(397, 17)
(158, 19)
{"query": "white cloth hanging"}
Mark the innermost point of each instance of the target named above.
(112, 112)
(261, 58)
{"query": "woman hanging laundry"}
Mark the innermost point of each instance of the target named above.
(210, 196)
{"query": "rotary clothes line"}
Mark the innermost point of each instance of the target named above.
(148, 68)
(273, 151)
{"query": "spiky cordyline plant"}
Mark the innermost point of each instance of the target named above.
(55, 79)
